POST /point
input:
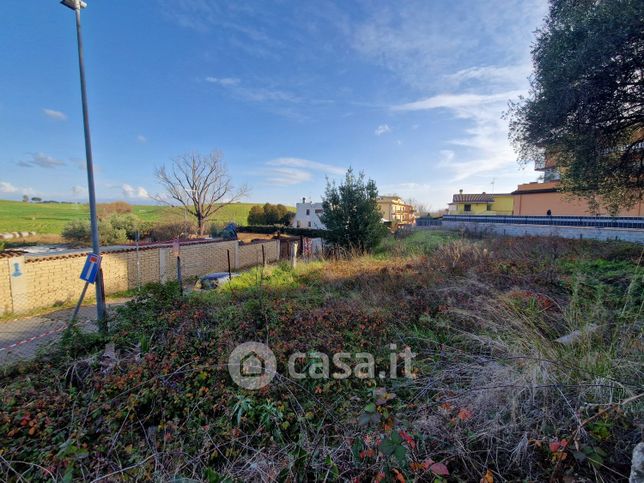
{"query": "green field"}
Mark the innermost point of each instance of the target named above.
(50, 218)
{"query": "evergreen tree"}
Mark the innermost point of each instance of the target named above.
(351, 213)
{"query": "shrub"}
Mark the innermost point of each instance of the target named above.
(128, 222)
(79, 231)
(117, 207)
(171, 231)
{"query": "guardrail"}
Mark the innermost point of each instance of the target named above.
(636, 223)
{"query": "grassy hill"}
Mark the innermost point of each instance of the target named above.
(50, 218)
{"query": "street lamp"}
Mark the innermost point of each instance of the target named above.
(76, 6)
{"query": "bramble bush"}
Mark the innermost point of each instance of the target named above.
(492, 394)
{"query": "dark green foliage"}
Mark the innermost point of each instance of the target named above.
(351, 213)
(586, 105)
(270, 215)
(287, 230)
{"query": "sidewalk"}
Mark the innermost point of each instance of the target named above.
(21, 338)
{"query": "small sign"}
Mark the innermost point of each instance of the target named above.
(90, 270)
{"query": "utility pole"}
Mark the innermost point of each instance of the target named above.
(76, 6)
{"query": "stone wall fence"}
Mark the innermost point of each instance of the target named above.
(32, 281)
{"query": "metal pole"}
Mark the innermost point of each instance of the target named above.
(78, 305)
(100, 301)
(179, 277)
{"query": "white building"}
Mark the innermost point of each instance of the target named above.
(308, 214)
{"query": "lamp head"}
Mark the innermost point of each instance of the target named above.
(74, 4)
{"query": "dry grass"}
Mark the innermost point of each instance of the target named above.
(492, 389)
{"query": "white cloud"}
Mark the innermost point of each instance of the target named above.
(253, 94)
(78, 190)
(307, 164)
(42, 160)
(130, 191)
(382, 129)
(463, 102)
(484, 143)
(6, 187)
(288, 176)
(55, 115)
(290, 171)
(492, 75)
(142, 139)
(420, 41)
(223, 81)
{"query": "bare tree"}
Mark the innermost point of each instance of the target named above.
(200, 183)
(420, 208)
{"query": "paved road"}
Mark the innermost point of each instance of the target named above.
(22, 338)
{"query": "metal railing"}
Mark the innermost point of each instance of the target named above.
(636, 223)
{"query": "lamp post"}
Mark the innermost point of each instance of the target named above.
(76, 6)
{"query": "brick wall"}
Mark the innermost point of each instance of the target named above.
(54, 279)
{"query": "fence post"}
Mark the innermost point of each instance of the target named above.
(294, 255)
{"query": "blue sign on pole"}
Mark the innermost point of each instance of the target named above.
(90, 270)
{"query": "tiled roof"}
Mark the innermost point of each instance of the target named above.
(473, 198)
(11, 253)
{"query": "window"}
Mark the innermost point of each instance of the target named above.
(489, 207)
(299, 224)
(319, 211)
(308, 212)
(467, 207)
(309, 224)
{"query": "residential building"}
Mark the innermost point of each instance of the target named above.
(396, 211)
(307, 215)
(545, 197)
(481, 204)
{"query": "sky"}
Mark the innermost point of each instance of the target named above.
(292, 93)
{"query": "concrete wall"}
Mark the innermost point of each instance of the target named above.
(46, 280)
(625, 234)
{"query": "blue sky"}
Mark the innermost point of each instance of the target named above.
(291, 92)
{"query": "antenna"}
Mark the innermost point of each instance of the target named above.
(492, 183)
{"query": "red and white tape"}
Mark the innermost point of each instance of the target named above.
(31, 339)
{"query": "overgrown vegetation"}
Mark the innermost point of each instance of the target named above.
(493, 396)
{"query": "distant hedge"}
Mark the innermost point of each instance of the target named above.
(284, 230)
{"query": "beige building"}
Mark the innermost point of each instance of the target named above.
(395, 210)
(546, 197)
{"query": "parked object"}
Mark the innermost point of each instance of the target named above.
(213, 280)
(229, 232)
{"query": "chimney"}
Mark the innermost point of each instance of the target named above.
(460, 192)
(303, 199)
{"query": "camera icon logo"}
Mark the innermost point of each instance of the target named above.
(252, 365)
